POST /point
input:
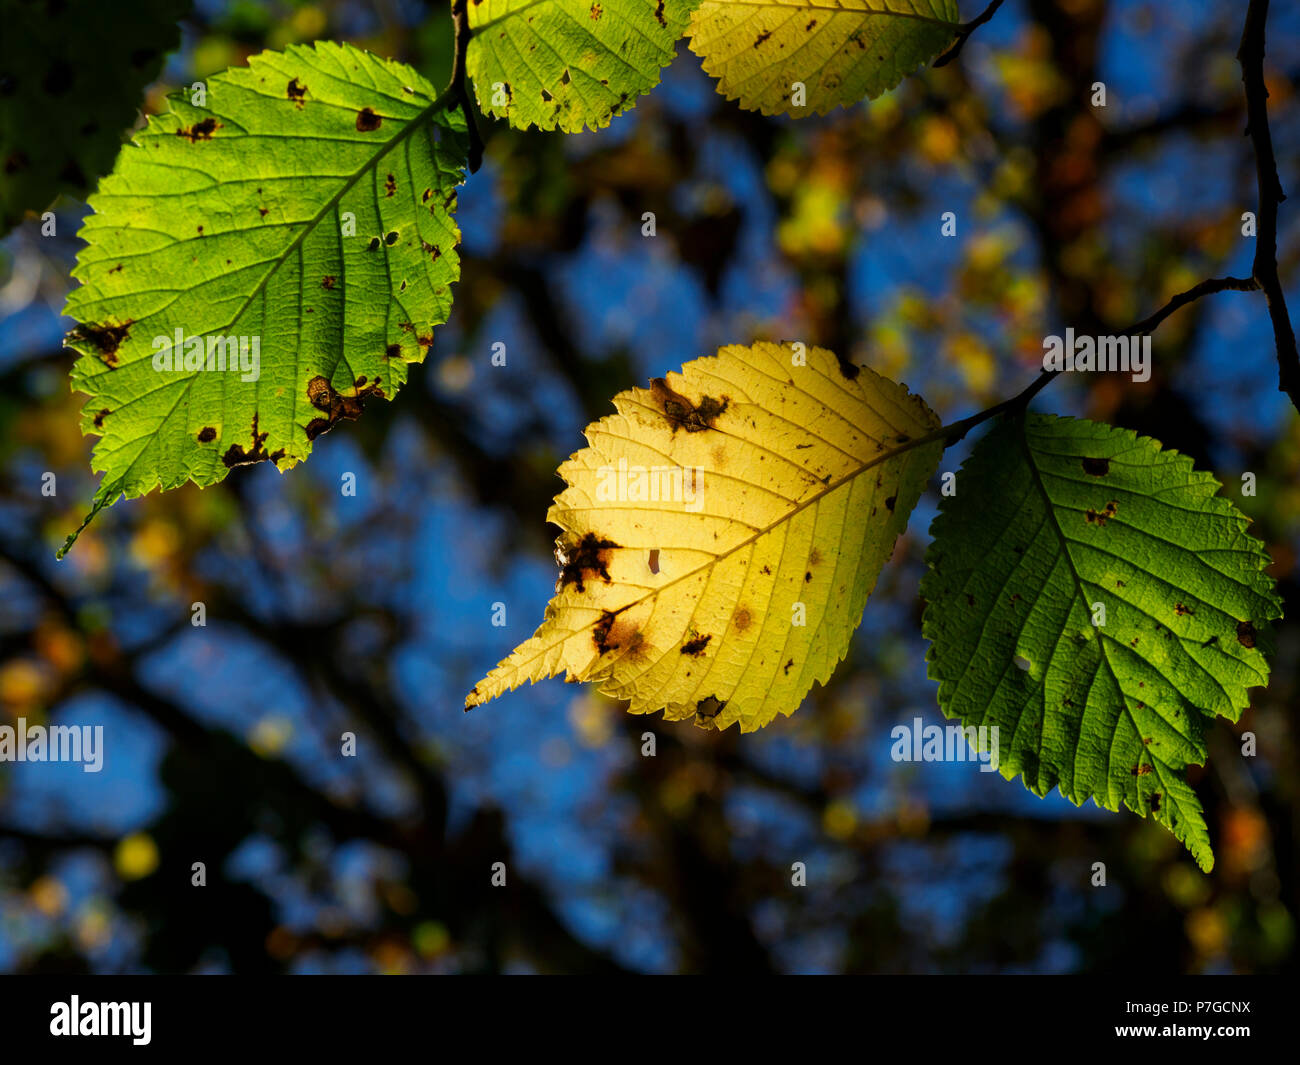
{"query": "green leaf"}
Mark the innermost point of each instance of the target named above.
(839, 50)
(70, 88)
(1052, 519)
(308, 212)
(569, 64)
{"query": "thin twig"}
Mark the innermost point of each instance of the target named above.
(457, 84)
(964, 31)
(1251, 57)
(954, 432)
(1205, 288)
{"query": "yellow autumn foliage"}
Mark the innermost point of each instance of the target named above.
(722, 531)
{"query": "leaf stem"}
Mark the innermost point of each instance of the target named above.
(964, 31)
(457, 86)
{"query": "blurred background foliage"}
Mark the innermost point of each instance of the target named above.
(372, 614)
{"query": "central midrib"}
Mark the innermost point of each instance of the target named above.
(415, 123)
(877, 460)
(1078, 587)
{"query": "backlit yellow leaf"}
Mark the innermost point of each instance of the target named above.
(722, 531)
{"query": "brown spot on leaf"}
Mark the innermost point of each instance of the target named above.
(390, 186)
(742, 619)
(236, 455)
(296, 90)
(1180, 609)
(707, 709)
(579, 562)
(654, 560)
(99, 418)
(325, 398)
(1246, 634)
(612, 633)
(682, 413)
(1096, 467)
(207, 434)
(847, 369)
(1140, 770)
(695, 646)
(105, 337)
(889, 503)
(762, 37)
(1100, 517)
(368, 121)
(328, 281)
(200, 131)
(787, 667)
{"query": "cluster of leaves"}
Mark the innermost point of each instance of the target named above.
(1088, 594)
(306, 201)
(572, 64)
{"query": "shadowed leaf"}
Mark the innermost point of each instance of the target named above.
(1054, 521)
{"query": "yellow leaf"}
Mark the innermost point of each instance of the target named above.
(722, 531)
(797, 57)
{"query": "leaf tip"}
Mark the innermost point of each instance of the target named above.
(100, 503)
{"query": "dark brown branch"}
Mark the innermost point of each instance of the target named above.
(1251, 57)
(953, 50)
